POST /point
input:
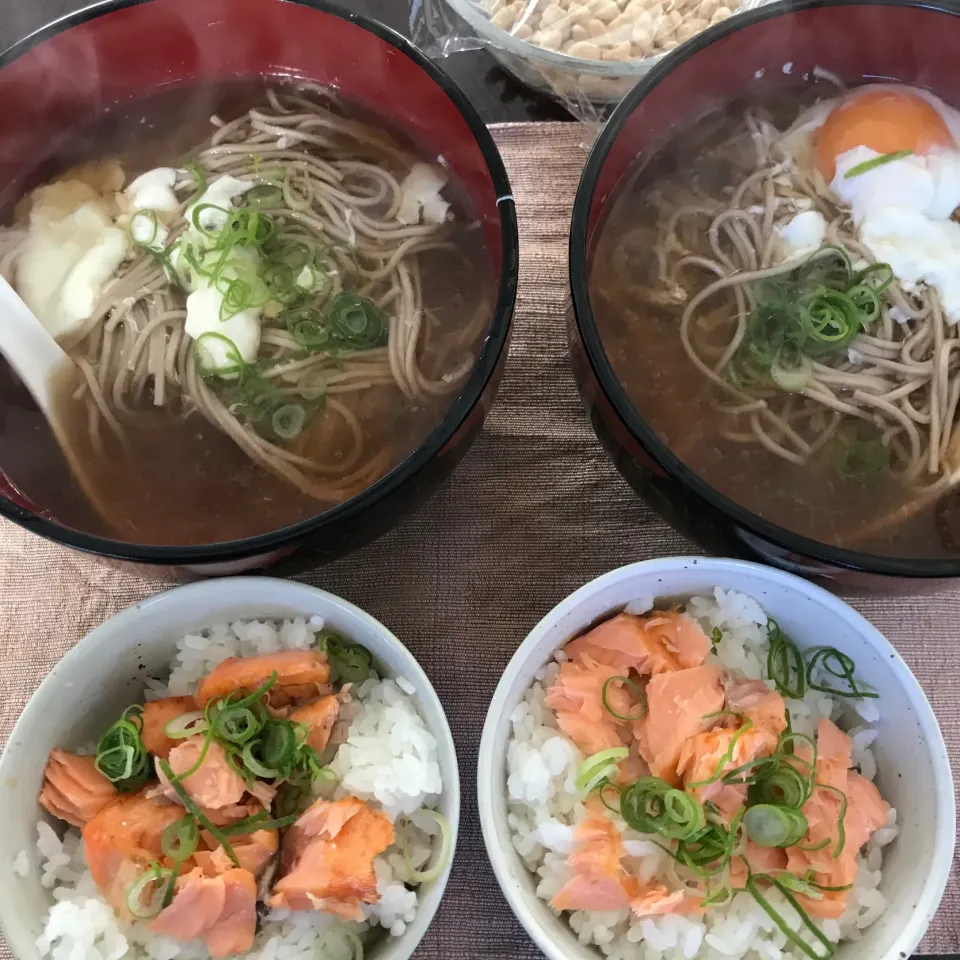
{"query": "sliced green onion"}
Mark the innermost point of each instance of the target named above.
(814, 311)
(860, 454)
(309, 328)
(599, 767)
(200, 177)
(151, 217)
(259, 821)
(707, 853)
(784, 663)
(323, 774)
(879, 276)
(237, 724)
(244, 228)
(867, 301)
(716, 898)
(792, 378)
(155, 875)
(312, 387)
(753, 771)
(811, 878)
(754, 890)
(179, 842)
(259, 693)
(357, 321)
(349, 662)
(186, 725)
(716, 635)
(278, 746)
(875, 162)
(287, 421)
(771, 825)
(837, 664)
(194, 809)
(235, 365)
(813, 847)
(179, 839)
(264, 195)
(634, 689)
(619, 791)
(786, 787)
(202, 208)
(255, 766)
(443, 856)
(651, 805)
(798, 885)
(121, 755)
(237, 297)
(841, 817)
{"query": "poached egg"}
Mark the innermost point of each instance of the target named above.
(891, 155)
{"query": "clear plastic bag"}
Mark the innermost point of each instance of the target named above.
(585, 53)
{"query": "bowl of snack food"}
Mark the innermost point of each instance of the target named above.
(279, 247)
(588, 53)
(711, 758)
(245, 766)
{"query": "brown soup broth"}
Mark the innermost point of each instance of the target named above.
(179, 480)
(642, 342)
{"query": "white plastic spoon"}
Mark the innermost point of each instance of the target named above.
(45, 369)
(39, 361)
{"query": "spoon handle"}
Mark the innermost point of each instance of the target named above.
(35, 356)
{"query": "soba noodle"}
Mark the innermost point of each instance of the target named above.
(903, 376)
(328, 185)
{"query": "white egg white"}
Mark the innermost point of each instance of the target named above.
(901, 209)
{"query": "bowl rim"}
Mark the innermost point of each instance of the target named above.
(285, 592)
(687, 479)
(498, 714)
(457, 412)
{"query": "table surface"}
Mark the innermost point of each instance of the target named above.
(497, 96)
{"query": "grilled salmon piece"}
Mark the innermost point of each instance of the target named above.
(213, 785)
(320, 717)
(73, 788)
(156, 715)
(663, 641)
(122, 841)
(679, 704)
(302, 675)
(221, 909)
(326, 860)
(576, 697)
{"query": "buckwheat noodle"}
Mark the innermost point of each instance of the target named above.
(902, 376)
(133, 351)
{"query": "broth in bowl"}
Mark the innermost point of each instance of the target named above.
(776, 292)
(271, 299)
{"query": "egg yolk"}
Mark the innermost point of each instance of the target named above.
(883, 120)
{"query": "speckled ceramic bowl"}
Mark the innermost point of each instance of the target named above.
(913, 767)
(105, 672)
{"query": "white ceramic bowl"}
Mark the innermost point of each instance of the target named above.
(105, 672)
(913, 766)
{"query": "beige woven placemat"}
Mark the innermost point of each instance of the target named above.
(535, 510)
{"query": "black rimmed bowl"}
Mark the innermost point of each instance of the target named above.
(756, 53)
(122, 50)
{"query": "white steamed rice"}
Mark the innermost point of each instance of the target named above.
(389, 759)
(544, 807)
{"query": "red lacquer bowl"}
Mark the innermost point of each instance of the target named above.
(121, 51)
(770, 49)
